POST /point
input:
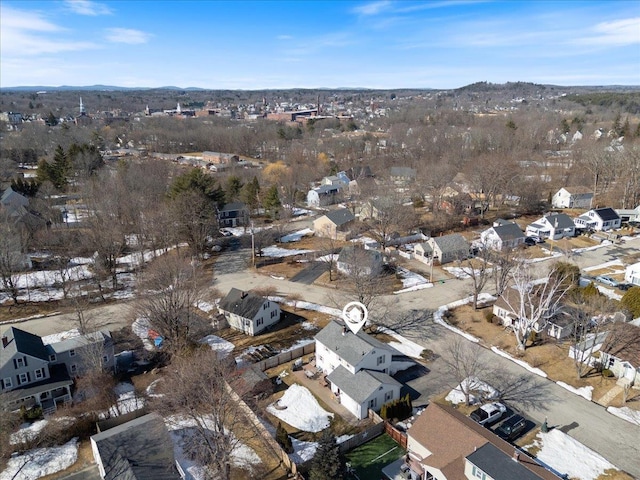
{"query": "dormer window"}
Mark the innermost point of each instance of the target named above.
(72, 353)
(20, 362)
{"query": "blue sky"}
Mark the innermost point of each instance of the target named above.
(379, 44)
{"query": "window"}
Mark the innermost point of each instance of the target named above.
(476, 472)
(7, 382)
(265, 305)
(52, 357)
(388, 396)
(39, 373)
(381, 359)
(73, 367)
(72, 353)
(274, 314)
(23, 378)
(373, 402)
(19, 362)
(105, 358)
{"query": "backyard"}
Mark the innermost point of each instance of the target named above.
(369, 459)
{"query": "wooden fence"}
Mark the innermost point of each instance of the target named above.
(285, 357)
(363, 437)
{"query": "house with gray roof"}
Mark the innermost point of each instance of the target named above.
(140, 449)
(248, 312)
(343, 356)
(449, 248)
(234, 214)
(79, 353)
(335, 224)
(324, 195)
(402, 175)
(504, 236)
(629, 214)
(358, 261)
(572, 197)
(554, 226)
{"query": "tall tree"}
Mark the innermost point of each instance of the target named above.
(250, 193)
(327, 463)
(272, 200)
(232, 188)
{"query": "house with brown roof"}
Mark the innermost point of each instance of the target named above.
(620, 352)
(444, 444)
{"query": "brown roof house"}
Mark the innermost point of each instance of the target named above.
(444, 444)
(620, 352)
(335, 224)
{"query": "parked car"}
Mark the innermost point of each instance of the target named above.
(489, 413)
(512, 427)
(530, 241)
(626, 286)
(607, 280)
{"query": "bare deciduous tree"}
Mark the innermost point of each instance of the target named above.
(478, 269)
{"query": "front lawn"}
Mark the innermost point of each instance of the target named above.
(369, 459)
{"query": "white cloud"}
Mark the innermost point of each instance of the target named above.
(87, 7)
(284, 37)
(14, 19)
(127, 35)
(616, 33)
(373, 8)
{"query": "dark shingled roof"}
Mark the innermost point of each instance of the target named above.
(451, 243)
(498, 465)
(245, 304)
(340, 217)
(23, 342)
(606, 214)
(508, 231)
(563, 220)
(360, 386)
(233, 207)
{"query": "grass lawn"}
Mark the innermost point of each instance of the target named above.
(369, 459)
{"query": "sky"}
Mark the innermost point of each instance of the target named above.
(318, 44)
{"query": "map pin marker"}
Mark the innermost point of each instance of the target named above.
(355, 316)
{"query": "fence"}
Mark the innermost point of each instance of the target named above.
(363, 437)
(399, 437)
(285, 357)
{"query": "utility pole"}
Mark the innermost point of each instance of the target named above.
(253, 248)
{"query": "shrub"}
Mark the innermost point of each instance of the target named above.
(607, 373)
(32, 414)
(488, 316)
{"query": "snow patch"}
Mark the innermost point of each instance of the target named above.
(478, 391)
(631, 416)
(296, 236)
(39, 462)
(218, 344)
(301, 410)
(584, 392)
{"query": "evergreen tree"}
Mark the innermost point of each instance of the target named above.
(327, 463)
(272, 200)
(197, 181)
(56, 172)
(250, 192)
(28, 188)
(232, 188)
(631, 301)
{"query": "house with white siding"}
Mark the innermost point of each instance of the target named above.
(601, 219)
(572, 197)
(554, 226)
(248, 312)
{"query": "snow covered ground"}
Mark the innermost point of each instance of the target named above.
(568, 456)
(218, 344)
(411, 281)
(127, 401)
(584, 392)
(278, 252)
(296, 236)
(631, 416)
(39, 462)
(478, 391)
(30, 431)
(522, 363)
(301, 410)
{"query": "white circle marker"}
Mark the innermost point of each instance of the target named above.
(355, 316)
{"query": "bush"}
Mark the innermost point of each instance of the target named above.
(283, 439)
(488, 316)
(32, 414)
(607, 373)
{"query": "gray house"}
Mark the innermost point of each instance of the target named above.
(34, 373)
(449, 248)
(234, 214)
(502, 236)
(140, 449)
(358, 261)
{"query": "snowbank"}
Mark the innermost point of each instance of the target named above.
(296, 236)
(522, 363)
(403, 345)
(41, 461)
(302, 451)
(584, 392)
(336, 312)
(566, 455)
(218, 344)
(30, 431)
(631, 416)
(278, 252)
(415, 288)
(301, 410)
(478, 391)
(127, 401)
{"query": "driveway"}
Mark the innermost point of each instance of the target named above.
(311, 273)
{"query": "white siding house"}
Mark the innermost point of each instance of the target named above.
(601, 219)
(632, 274)
(554, 226)
(572, 197)
(248, 312)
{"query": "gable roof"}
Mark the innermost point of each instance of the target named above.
(347, 345)
(233, 207)
(508, 231)
(244, 304)
(606, 214)
(561, 219)
(326, 189)
(340, 216)
(353, 254)
(498, 465)
(580, 191)
(12, 198)
(102, 337)
(451, 436)
(405, 172)
(623, 342)
(362, 385)
(451, 243)
(137, 450)
(19, 341)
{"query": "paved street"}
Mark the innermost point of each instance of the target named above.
(616, 439)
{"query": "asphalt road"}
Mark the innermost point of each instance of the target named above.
(615, 439)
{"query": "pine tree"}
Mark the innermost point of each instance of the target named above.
(250, 192)
(232, 188)
(327, 463)
(272, 200)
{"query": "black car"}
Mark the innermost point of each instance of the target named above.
(625, 286)
(512, 427)
(530, 241)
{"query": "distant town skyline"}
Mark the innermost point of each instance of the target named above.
(318, 44)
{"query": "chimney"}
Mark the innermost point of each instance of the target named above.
(243, 294)
(5, 341)
(344, 331)
(516, 456)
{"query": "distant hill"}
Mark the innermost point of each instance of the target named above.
(93, 88)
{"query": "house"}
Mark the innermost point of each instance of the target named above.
(449, 248)
(139, 449)
(324, 195)
(335, 224)
(572, 197)
(35, 373)
(340, 180)
(629, 215)
(557, 324)
(358, 367)
(377, 208)
(554, 226)
(632, 274)
(444, 444)
(601, 219)
(12, 201)
(620, 352)
(218, 158)
(355, 260)
(248, 312)
(363, 391)
(234, 214)
(503, 236)
(402, 175)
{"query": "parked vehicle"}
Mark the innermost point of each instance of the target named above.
(626, 286)
(530, 241)
(512, 427)
(488, 414)
(607, 280)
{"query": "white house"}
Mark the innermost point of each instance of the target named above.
(358, 367)
(629, 215)
(324, 195)
(354, 260)
(632, 274)
(620, 352)
(572, 197)
(248, 312)
(503, 236)
(554, 226)
(449, 248)
(423, 252)
(601, 219)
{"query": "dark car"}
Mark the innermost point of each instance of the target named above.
(512, 427)
(625, 286)
(530, 241)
